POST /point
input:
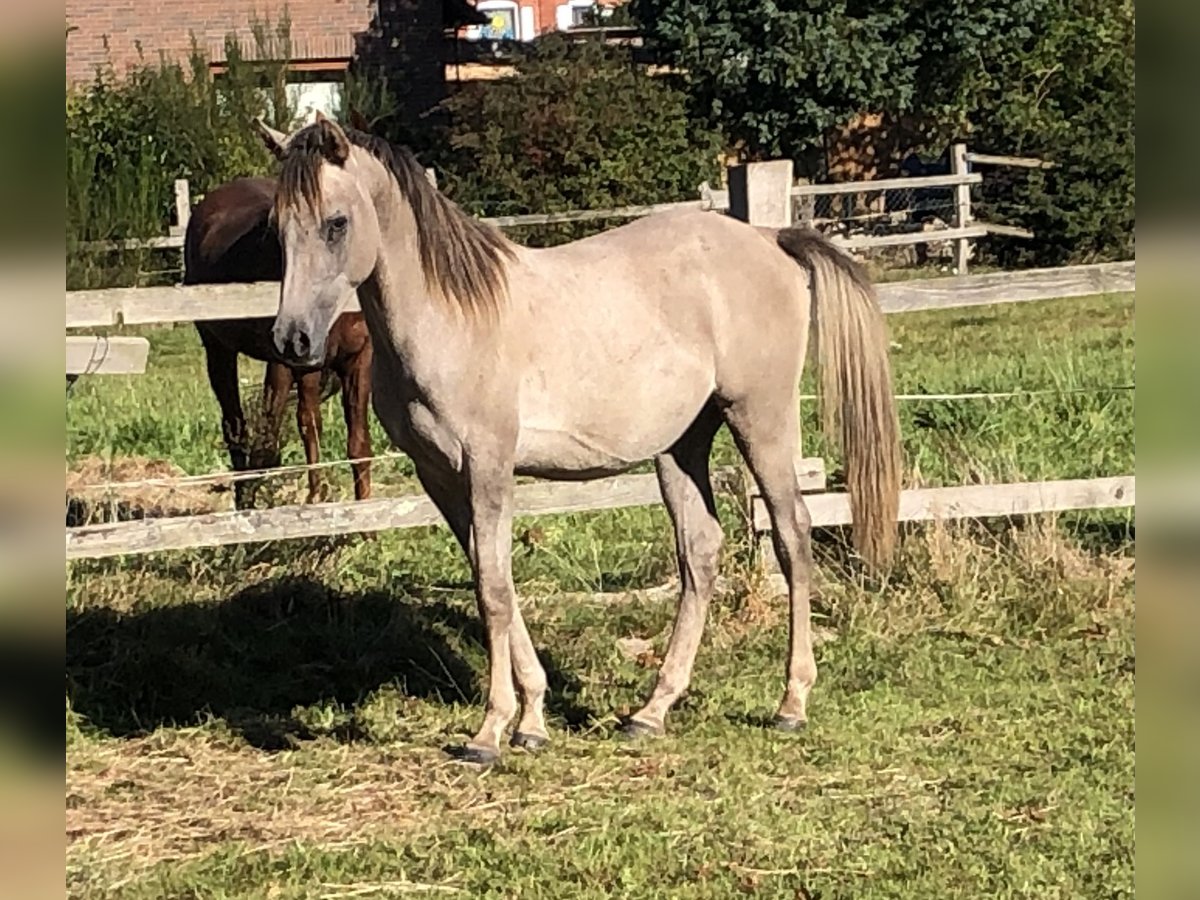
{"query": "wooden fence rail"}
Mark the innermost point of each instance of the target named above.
(313, 520)
(159, 305)
(354, 517)
(962, 231)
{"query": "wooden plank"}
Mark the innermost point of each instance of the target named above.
(1023, 162)
(760, 192)
(166, 242)
(96, 355)
(90, 309)
(977, 501)
(590, 215)
(111, 306)
(1008, 230)
(1007, 287)
(173, 303)
(810, 472)
(887, 184)
(183, 207)
(910, 237)
(962, 207)
(291, 522)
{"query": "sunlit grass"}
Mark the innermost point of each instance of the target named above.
(266, 720)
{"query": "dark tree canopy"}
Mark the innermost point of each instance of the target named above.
(1039, 77)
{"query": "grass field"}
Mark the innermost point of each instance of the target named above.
(266, 721)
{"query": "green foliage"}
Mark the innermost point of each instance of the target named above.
(129, 138)
(578, 127)
(1035, 77)
(777, 77)
(1068, 97)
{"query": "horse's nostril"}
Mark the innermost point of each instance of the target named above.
(301, 343)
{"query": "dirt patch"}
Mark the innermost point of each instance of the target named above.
(134, 487)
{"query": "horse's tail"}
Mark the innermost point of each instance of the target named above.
(858, 409)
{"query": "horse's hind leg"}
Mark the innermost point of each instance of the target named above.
(766, 432)
(683, 476)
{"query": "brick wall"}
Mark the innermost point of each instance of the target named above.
(320, 28)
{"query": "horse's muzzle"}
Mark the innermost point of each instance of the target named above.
(295, 346)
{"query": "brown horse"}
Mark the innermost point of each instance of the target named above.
(230, 238)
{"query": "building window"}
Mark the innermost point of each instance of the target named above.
(504, 24)
(580, 11)
(573, 14)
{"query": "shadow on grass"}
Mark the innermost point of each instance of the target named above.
(271, 648)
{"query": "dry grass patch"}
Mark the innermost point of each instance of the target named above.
(95, 491)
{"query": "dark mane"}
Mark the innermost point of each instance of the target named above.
(463, 259)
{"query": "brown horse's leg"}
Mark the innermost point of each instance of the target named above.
(277, 382)
(222, 368)
(687, 491)
(356, 405)
(308, 419)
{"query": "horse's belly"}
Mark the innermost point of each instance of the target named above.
(591, 447)
(551, 453)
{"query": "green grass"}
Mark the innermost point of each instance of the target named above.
(266, 721)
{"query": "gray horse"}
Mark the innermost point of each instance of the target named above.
(579, 361)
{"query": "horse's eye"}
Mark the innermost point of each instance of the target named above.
(337, 226)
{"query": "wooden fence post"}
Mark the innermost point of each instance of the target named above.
(761, 193)
(183, 207)
(183, 215)
(962, 206)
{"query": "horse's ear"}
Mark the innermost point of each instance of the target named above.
(275, 141)
(337, 145)
(358, 121)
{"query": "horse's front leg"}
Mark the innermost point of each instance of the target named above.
(356, 406)
(490, 492)
(221, 364)
(308, 421)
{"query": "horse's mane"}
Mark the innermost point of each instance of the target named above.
(462, 258)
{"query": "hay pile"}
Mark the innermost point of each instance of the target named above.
(88, 504)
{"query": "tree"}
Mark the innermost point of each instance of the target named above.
(1040, 77)
(775, 77)
(578, 127)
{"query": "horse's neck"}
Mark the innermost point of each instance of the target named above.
(420, 330)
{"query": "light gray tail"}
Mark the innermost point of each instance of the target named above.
(858, 408)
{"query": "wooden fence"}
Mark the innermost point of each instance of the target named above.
(962, 230)
(760, 193)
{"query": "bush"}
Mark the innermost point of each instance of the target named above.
(1027, 77)
(128, 139)
(1066, 96)
(578, 127)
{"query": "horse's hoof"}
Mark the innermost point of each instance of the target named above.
(528, 741)
(635, 729)
(790, 723)
(480, 756)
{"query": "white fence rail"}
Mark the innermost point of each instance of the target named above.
(161, 305)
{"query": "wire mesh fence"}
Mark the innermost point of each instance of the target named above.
(879, 213)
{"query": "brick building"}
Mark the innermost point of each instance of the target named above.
(325, 34)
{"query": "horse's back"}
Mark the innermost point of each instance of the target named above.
(230, 238)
